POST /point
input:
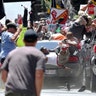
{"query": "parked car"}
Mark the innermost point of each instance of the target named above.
(52, 68)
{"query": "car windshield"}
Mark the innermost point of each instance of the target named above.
(47, 44)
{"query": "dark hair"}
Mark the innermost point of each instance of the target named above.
(7, 21)
(30, 36)
(11, 25)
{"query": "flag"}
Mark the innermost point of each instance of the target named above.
(59, 14)
(53, 3)
(2, 11)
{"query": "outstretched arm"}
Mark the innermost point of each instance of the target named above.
(16, 34)
(25, 17)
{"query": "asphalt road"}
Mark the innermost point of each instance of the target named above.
(64, 92)
(60, 92)
(57, 87)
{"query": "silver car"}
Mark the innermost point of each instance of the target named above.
(52, 68)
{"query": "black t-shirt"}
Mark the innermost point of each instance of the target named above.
(77, 30)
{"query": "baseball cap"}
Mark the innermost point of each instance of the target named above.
(11, 25)
(30, 36)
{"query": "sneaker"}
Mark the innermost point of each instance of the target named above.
(83, 88)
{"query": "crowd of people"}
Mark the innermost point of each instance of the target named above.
(22, 62)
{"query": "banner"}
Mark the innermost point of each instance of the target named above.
(59, 14)
(2, 11)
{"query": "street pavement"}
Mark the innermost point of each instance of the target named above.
(57, 87)
(64, 92)
(60, 92)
